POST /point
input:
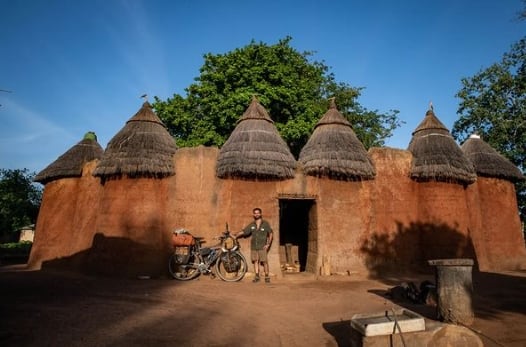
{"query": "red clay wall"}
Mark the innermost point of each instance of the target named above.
(444, 221)
(204, 204)
(496, 225)
(85, 217)
(366, 227)
(129, 237)
(54, 224)
(67, 216)
(392, 240)
(344, 215)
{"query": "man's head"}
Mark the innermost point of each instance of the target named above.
(256, 212)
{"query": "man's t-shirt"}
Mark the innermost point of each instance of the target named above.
(259, 236)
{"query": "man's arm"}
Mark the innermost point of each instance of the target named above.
(270, 236)
(243, 232)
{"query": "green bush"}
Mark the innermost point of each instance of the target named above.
(16, 248)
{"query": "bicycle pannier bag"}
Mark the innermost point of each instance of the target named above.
(182, 240)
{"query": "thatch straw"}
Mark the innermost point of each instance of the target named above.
(436, 155)
(334, 150)
(255, 150)
(143, 148)
(488, 162)
(70, 163)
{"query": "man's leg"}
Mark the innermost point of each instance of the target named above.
(266, 269)
(255, 261)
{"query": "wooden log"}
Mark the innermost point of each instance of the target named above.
(294, 256)
(282, 255)
(288, 250)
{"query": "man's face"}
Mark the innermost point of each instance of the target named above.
(257, 214)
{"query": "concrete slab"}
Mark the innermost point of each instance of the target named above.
(388, 322)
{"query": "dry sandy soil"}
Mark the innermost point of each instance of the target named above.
(57, 308)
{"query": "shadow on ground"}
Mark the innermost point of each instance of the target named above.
(341, 331)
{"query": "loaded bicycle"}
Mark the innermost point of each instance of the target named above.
(190, 259)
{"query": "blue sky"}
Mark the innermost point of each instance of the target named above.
(78, 66)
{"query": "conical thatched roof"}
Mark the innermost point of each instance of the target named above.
(255, 150)
(436, 155)
(143, 148)
(488, 162)
(334, 151)
(70, 163)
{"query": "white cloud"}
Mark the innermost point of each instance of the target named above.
(29, 139)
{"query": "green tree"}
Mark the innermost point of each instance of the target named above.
(493, 104)
(19, 199)
(289, 85)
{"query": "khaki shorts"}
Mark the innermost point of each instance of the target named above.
(260, 255)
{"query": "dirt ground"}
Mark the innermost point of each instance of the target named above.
(57, 308)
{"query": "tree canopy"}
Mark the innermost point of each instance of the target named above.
(493, 105)
(19, 199)
(293, 88)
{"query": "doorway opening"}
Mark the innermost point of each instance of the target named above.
(297, 234)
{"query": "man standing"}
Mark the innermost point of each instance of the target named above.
(260, 242)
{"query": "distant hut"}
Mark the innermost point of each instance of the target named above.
(70, 163)
(68, 211)
(488, 162)
(436, 155)
(143, 148)
(334, 150)
(255, 150)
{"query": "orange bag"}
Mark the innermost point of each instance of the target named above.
(182, 240)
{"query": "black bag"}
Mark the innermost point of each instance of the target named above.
(231, 263)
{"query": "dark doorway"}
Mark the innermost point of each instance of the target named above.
(297, 234)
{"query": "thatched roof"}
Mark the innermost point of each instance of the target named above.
(334, 150)
(143, 148)
(255, 150)
(70, 163)
(436, 155)
(488, 162)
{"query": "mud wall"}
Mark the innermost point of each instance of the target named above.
(54, 224)
(443, 221)
(366, 227)
(496, 225)
(67, 218)
(204, 204)
(392, 241)
(129, 237)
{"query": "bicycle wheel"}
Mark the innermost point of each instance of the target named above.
(231, 266)
(183, 272)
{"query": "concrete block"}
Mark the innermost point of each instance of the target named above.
(384, 323)
(436, 334)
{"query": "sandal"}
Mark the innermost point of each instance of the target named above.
(267, 279)
(256, 279)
